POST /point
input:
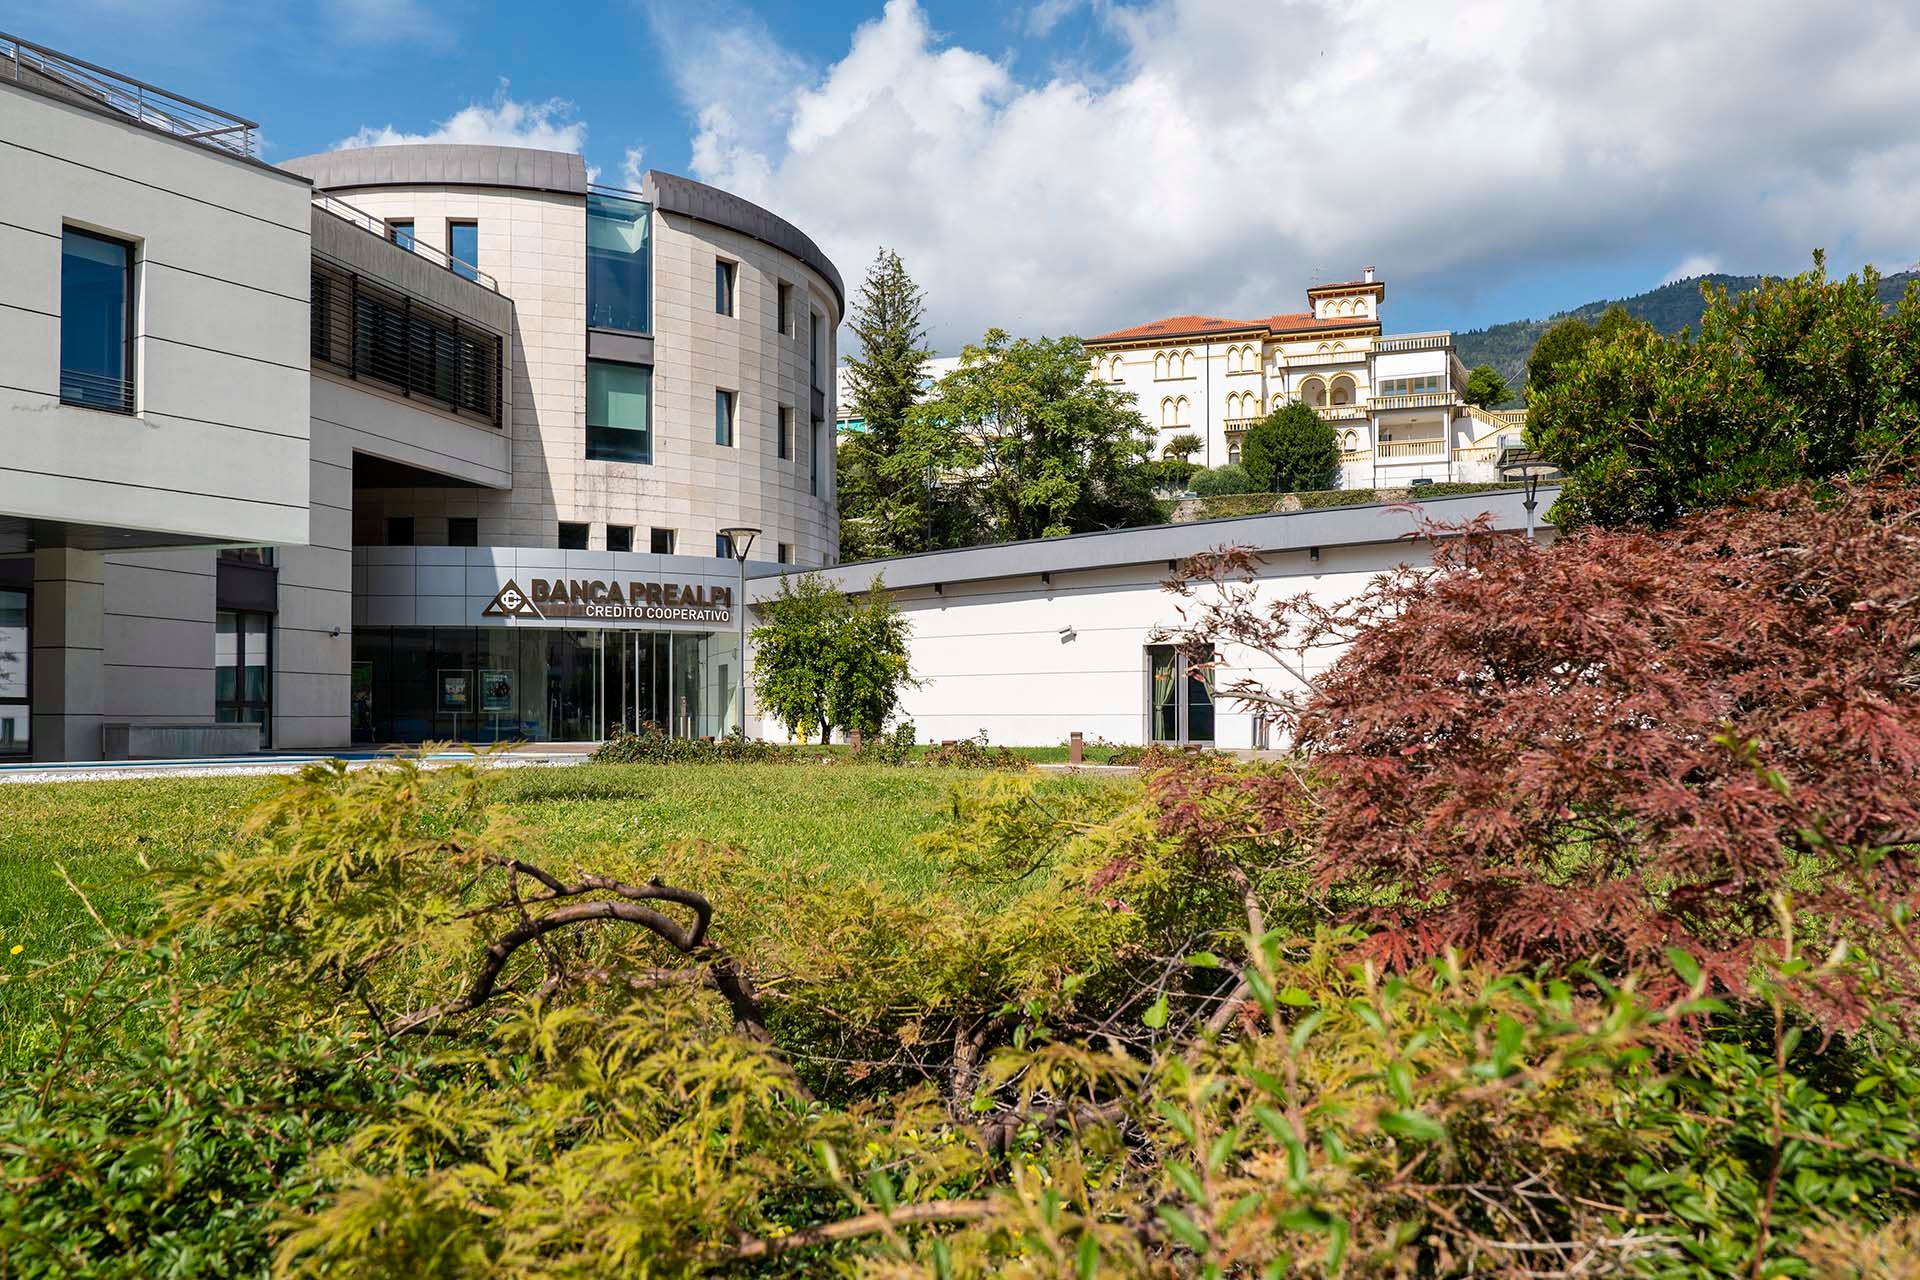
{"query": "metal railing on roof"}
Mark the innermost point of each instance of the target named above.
(376, 226)
(50, 71)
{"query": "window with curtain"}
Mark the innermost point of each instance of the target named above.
(619, 269)
(619, 412)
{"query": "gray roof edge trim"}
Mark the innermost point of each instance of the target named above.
(1357, 525)
(671, 193)
(445, 164)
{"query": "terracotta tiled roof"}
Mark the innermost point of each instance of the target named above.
(1179, 327)
(1202, 326)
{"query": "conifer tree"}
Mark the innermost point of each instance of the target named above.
(880, 517)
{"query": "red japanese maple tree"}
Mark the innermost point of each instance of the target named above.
(1620, 743)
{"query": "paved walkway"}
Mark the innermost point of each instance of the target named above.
(272, 762)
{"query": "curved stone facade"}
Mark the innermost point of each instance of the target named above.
(529, 210)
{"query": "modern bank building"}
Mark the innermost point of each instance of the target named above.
(436, 442)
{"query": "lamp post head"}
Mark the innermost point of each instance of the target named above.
(740, 540)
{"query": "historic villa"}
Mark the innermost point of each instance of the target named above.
(1396, 398)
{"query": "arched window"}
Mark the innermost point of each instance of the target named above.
(1186, 364)
(1159, 365)
(1349, 442)
(1182, 410)
(1343, 390)
(1166, 411)
(1314, 392)
(1233, 454)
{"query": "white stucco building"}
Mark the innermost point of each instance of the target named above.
(1395, 398)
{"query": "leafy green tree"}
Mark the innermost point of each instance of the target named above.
(1218, 481)
(1804, 378)
(1183, 446)
(1291, 450)
(882, 516)
(1033, 446)
(1486, 388)
(822, 662)
(1566, 340)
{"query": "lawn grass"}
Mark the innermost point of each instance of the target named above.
(852, 821)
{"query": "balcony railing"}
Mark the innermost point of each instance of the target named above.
(1410, 450)
(1414, 342)
(1238, 426)
(370, 331)
(372, 225)
(50, 71)
(1342, 412)
(1414, 400)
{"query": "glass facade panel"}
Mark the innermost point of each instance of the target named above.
(538, 684)
(463, 246)
(16, 710)
(96, 321)
(619, 412)
(618, 266)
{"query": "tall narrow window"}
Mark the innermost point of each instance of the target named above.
(463, 531)
(573, 537)
(242, 670)
(723, 407)
(619, 399)
(786, 553)
(723, 545)
(618, 263)
(16, 703)
(784, 316)
(726, 280)
(96, 321)
(660, 541)
(813, 460)
(400, 231)
(463, 248)
(813, 342)
(783, 433)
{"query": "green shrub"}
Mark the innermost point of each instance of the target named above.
(1230, 477)
(1337, 498)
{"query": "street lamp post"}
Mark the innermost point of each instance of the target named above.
(739, 542)
(1532, 468)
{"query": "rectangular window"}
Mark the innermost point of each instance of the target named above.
(16, 684)
(573, 537)
(786, 553)
(619, 412)
(619, 537)
(723, 407)
(463, 248)
(783, 433)
(96, 321)
(619, 263)
(813, 341)
(813, 460)
(248, 555)
(1408, 386)
(1179, 696)
(242, 670)
(463, 531)
(726, 280)
(660, 541)
(785, 314)
(723, 545)
(400, 231)
(399, 531)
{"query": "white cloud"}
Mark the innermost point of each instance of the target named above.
(1045, 15)
(382, 22)
(1700, 264)
(1232, 151)
(633, 167)
(505, 121)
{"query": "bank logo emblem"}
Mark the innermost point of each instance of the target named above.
(511, 602)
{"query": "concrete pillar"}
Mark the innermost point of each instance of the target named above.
(69, 687)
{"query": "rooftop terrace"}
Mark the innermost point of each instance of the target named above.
(60, 75)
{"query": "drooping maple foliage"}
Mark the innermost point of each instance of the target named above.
(1622, 743)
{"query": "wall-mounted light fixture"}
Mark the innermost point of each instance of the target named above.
(1046, 580)
(939, 589)
(1068, 635)
(1313, 554)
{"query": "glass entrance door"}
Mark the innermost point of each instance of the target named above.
(1179, 695)
(653, 683)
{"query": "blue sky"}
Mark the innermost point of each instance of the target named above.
(1080, 165)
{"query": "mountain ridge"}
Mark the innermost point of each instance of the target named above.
(1669, 308)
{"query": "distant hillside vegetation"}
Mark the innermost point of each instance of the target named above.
(1670, 308)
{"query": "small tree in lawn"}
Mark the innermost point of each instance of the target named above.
(1290, 450)
(822, 661)
(793, 654)
(870, 662)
